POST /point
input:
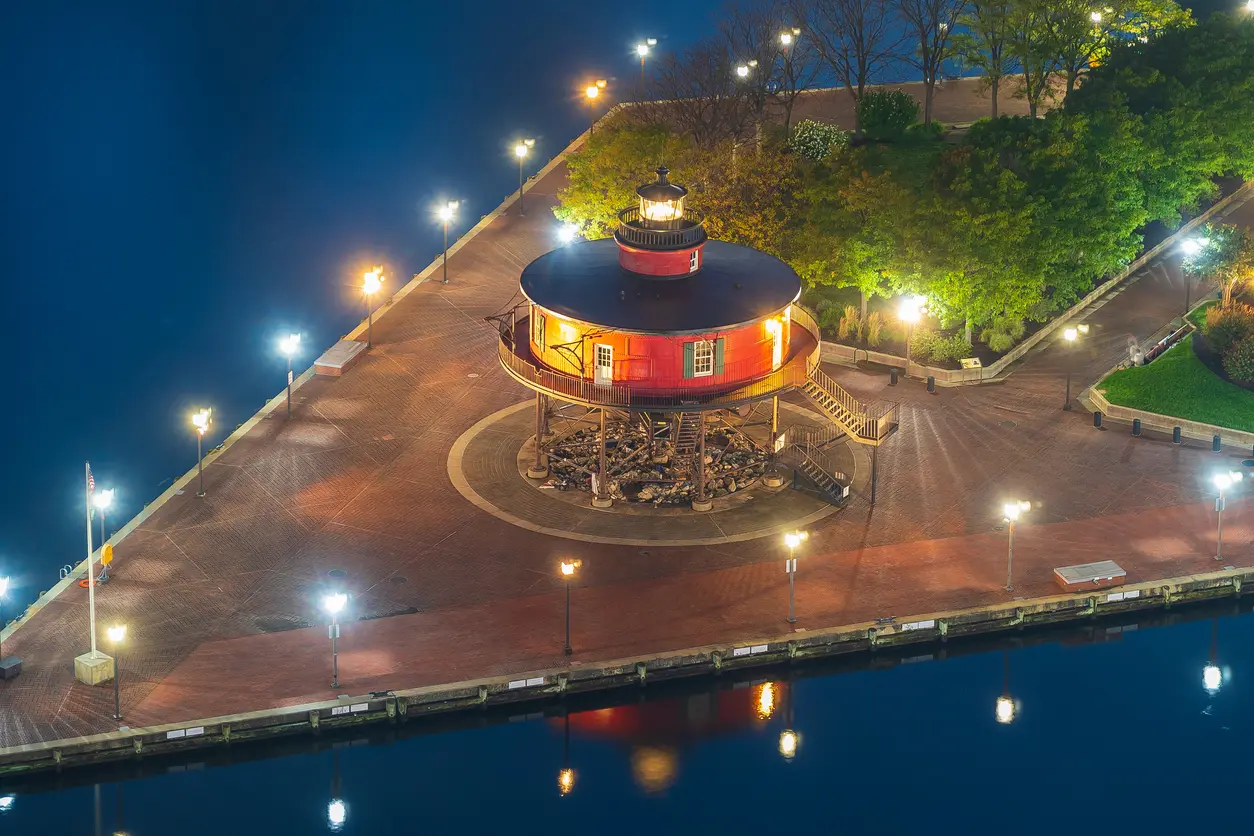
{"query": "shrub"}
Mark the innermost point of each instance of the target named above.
(1003, 332)
(850, 327)
(921, 344)
(1225, 327)
(817, 140)
(951, 349)
(1239, 361)
(886, 114)
(874, 328)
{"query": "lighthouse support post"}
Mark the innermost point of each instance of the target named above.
(701, 502)
(540, 468)
(601, 494)
(772, 477)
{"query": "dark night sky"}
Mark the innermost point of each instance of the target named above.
(185, 182)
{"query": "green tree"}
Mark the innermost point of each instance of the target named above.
(815, 141)
(1225, 254)
(1032, 46)
(605, 173)
(983, 43)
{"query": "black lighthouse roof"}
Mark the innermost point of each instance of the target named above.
(736, 285)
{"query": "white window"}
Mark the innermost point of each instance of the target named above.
(538, 339)
(703, 358)
(694, 261)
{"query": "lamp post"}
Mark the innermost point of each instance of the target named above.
(792, 540)
(592, 93)
(568, 571)
(371, 281)
(446, 213)
(910, 311)
(1192, 246)
(289, 345)
(117, 634)
(520, 151)
(102, 501)
(642, 49)
(1012, 511)
(1071, 335)
(1223, 481)
(333, 604)
(202, 419)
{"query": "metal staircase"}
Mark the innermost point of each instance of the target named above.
(687, 431)
(844, 410)
(827, 484)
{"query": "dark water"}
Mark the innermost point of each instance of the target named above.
(185, 182)
(1113, 725)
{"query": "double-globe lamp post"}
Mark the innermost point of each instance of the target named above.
(371, 281)
(289, 345)
(793, 539)
(1070, 335)
(1011, 513)
(593, 92)
(446, 213)
(568, 568)
(117, 634)
(202, 419)
(520, 151)
(334, 604)
(1222, 481)
(642, 49)
(101, 500)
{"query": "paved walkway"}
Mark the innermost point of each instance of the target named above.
(221, 593)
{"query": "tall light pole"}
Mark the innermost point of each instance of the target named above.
(333, 604)
(446, 213)
(1012, 511)
(371, 281)
(289, 345)
(1070, 335)
(520, 151)
(202, 419)
(593, 92)
(910, 311)
(1190, 247)
(642, 49)
(1223, 481)
(568, 571)
(117, 634)
(792, 540)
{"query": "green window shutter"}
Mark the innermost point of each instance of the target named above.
(718, 355)
(689, 353)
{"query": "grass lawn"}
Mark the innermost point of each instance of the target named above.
(1178, 384)
(1198, 315)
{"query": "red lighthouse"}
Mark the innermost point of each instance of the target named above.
(661, 329)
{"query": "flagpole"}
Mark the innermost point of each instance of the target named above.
(91, 569)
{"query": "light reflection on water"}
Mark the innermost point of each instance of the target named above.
(970, 742)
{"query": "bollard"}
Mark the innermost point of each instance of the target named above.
(892, 376)
(931, 384)
(1136, 426)
(1097, 420)
(1215, 444)
(1175, 435)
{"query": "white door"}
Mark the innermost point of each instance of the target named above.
(603, 371)
(776, 329)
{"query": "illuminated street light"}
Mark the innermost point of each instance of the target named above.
(792, 540)
(789, 741)
(742, 70)
(910, 311)
(520, 151)
(642, 49)
(1192, 246)
(333, 604)
(568, 571)
(446, 213)
(566, 233)
(1222, 481)
(102, 500)
(1011, 512)
(337, 814)
(289, 345)
(371, 281)
(592, 93)
(1070, 335)
(117, 634)
(566, 781)
(1249, 5)
(201, 419)
(1096, 17)
(1005, 710)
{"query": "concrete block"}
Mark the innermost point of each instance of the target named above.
(93, 670)
(10, 668)
(1085, 576)
(339, 358)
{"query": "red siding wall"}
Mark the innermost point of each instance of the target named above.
(654, 263)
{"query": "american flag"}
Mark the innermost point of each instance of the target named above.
(91, 480)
